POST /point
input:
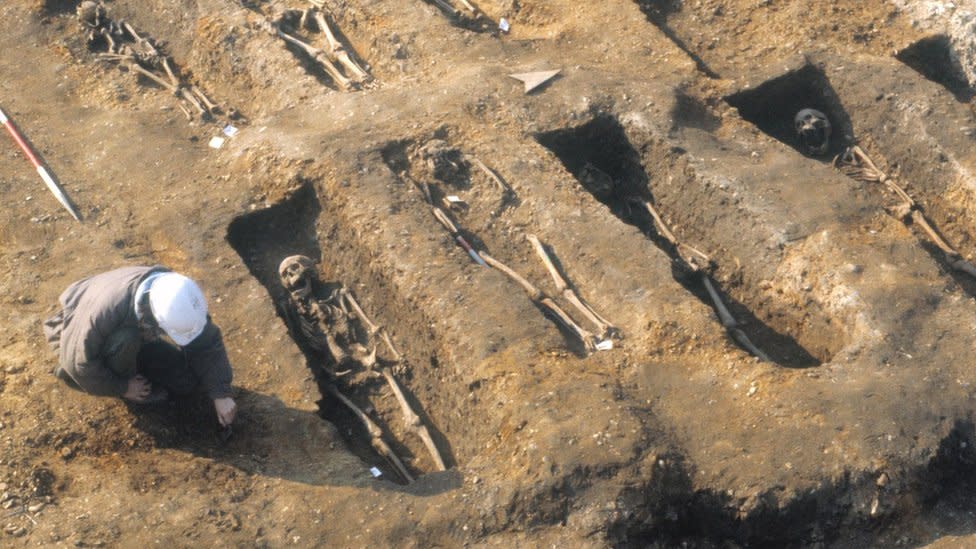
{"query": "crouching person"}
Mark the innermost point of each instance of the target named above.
(140, 333)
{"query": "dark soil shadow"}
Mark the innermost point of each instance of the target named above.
(964, 281)
(932, 58)
(772, 105)
(58, 7)
(602, 159)
(190, 424)
(675, 514)
(690, 112)
(947, 486)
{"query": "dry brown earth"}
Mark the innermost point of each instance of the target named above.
(859, 432)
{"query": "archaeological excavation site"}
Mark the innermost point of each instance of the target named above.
(502, 273)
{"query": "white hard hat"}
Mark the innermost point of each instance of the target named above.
(178, 306)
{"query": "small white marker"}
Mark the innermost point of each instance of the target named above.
(454, 198)
(216, 142)
(503, 25)
(230, 130)
(533, 80)
(375, 471)
(604, 345)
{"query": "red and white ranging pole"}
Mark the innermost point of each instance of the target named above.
(49, 180)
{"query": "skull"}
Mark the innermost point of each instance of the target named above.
(813, 131)
(597, 181)
(297, 273)
(444, 162)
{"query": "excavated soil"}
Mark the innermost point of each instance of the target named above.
(858, 430)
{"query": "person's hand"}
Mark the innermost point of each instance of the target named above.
(226, 410)
(139, 388)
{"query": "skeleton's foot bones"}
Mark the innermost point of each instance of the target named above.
(470, 17)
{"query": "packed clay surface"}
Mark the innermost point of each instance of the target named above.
(630, 307)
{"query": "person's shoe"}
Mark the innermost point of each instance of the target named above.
(157, 395)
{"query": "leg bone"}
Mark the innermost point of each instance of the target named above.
(698, 262)
(371, 327)
(375, 434)
(544, 301)
(471, 7)
(169, 71)
(729, 322)
(695, 259)
(446, 6)
(505, 188)
(508, 194)
(603, 325)
(145, 44)
(411, 419)
(178, 91)
(211, 106)
(339, 51)
(185, 111)
(315, 54)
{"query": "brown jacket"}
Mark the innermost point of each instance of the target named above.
(95, 307)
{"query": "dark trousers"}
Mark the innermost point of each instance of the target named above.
(161, 363)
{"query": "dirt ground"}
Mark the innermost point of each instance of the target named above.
(858, 429)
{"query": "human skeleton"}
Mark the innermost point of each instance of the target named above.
(140, 55)
(329, 320)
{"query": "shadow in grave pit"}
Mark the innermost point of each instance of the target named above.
(772, 105)
(932, 57)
